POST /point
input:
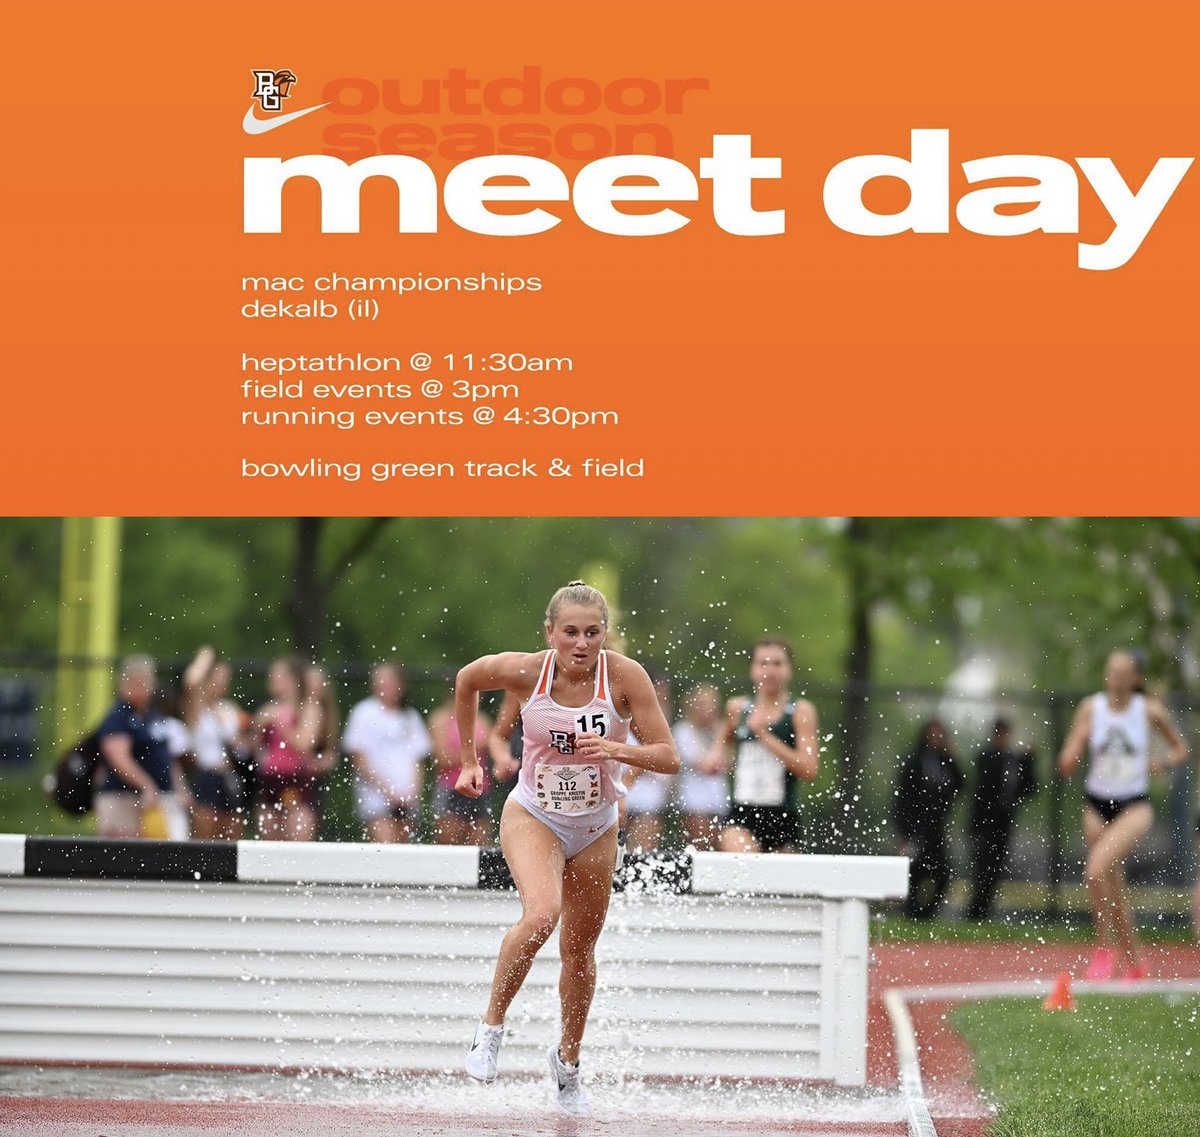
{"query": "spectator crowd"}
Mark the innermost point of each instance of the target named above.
(192, 762)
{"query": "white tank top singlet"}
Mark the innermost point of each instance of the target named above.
(552, 781)
(1120, 747)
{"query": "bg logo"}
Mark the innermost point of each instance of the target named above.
(272, 87)
(563, 741)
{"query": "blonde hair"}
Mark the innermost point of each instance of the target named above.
(578, 593)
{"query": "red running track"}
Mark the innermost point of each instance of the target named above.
(89, 1117)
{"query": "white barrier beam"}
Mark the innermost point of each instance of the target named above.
(370, 957)
(316, 862)
(12, 854)
(862, 878)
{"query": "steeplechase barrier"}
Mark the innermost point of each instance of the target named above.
(271, 955)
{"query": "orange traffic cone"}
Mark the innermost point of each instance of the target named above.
(1060, 997)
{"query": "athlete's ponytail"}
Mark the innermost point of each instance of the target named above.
(578, 593)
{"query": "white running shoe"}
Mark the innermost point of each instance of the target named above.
(481, 1058)
(572, 1097)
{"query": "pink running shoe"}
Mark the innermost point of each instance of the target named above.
(1135, 973)
(1103, 964)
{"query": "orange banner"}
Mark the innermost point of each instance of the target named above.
(650, 259)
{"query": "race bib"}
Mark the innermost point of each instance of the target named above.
(758, 777)
(567, 789)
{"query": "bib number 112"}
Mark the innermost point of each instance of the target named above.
(593, 724)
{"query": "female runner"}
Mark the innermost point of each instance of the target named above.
(1114, 726)
(775, 740)
(558, 828)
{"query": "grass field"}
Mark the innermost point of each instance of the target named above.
(1116, 1067)
(1075, 928)
(24, 808)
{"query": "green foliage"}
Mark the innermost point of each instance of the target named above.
(1052, 596)
(29, 565)
(1117, 1067)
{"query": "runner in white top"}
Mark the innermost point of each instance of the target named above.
(1114, 726)
(558, 829)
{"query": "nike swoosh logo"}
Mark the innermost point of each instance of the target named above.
(254, 125)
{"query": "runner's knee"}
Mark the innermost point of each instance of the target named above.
(578, 961)
(540, 920)
(1098, 871)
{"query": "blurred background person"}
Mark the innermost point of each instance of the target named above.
(171, 820)
(320, 717)
(504, 742)
(703, 785)
(284, 769)
(646, 800)
(458, 819)
(1004, 778)
(217, 812)
(389, 745)
(141, 775)
(648, 794)
(241, 750)
(774, 740)
(930, 780)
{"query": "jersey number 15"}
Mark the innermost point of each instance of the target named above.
(596, 725)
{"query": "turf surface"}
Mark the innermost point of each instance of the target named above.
(1116, 1067)
(889, 928)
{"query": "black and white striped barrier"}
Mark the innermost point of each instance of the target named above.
(356, 956)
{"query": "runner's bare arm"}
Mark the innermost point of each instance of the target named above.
(1073, 749)
(193, 679)
(117, 751)
(1160, 719)
(717, 759)
(803, 759)
(657, 750)
(807, 752)
(308, 728)
(514, 671)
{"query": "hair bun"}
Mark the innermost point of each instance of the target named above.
(576, 583)
(576, 593)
